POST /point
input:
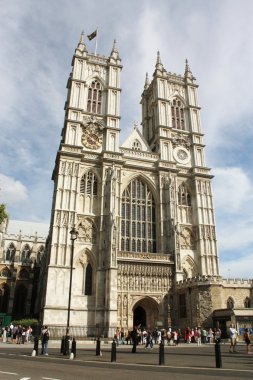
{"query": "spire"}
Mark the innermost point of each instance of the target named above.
(187, 72)
(81, 45)
(146, 82)
(114, 52)
(159, 65)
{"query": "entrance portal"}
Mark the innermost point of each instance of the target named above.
(146, 313)
(139, 316)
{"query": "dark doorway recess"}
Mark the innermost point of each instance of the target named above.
(140, 317)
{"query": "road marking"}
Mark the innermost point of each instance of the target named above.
(49, 378)
(9, 373)
(25, 378)
(168, 366)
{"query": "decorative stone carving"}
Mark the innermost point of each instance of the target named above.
(180, 140)
(85, 231)
(186, 239)
(83, 259)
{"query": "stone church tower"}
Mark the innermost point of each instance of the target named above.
(143, 210)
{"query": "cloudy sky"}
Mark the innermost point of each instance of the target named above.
(38, 39)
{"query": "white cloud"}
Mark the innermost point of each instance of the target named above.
(12, 191)
(233, 199)
(233, 190)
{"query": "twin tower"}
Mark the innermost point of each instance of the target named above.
(143, 209)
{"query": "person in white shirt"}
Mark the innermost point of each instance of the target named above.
(233, 338)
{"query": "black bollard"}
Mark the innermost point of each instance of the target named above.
(73, 347)
(113, 353)
(62, 345)
(36, 345)
(66, 345)
(218, 360)
(98, 349)
(161, 353)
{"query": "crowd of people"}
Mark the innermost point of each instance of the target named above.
(172, 337)
(16, 334)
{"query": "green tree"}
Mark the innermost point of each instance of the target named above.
(3, 213)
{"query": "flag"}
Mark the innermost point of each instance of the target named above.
(92, 35)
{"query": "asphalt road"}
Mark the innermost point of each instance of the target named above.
(183, 362)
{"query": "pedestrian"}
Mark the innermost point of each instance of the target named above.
(198, 336)
(134, 337)
(149, 340)
(44, 340)
(203, 335)
(247, 341)
(217, 335)
(233, 338)
(210, 335)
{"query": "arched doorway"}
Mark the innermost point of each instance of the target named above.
(146, 313)
(140, 316)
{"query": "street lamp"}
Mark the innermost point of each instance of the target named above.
(73, 237)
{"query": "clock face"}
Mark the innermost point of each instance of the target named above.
(91, 140)
(181, 155)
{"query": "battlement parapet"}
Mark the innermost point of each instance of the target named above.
(214, 280)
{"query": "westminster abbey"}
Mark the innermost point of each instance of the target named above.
(146, 251)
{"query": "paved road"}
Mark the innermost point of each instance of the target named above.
(183, 362)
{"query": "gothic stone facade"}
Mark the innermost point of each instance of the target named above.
(143, 210)
(20, 261)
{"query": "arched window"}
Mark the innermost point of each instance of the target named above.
(177, 114)
(10, 254)
(40, 253)
(89, 184)
(4, 298)
(184, 197)
(25, 255)
(138, 218)
(20, 301)
(247, 303)
(136, 145)
(230, 303)
(94, 103)
(88, 280)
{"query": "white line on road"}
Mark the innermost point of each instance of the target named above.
(25, 378)
(49, 378)
(9, 373)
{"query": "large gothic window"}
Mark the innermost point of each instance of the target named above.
(177, 114)
(89, 184)
(88, 280)
(25, 255)
(94, 103)
(184, 197)
(10, 254)
(138, 218)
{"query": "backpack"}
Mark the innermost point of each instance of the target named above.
(46, 336)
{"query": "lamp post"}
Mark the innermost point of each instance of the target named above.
(73, 237)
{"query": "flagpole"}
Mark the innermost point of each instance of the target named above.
(96, 45)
